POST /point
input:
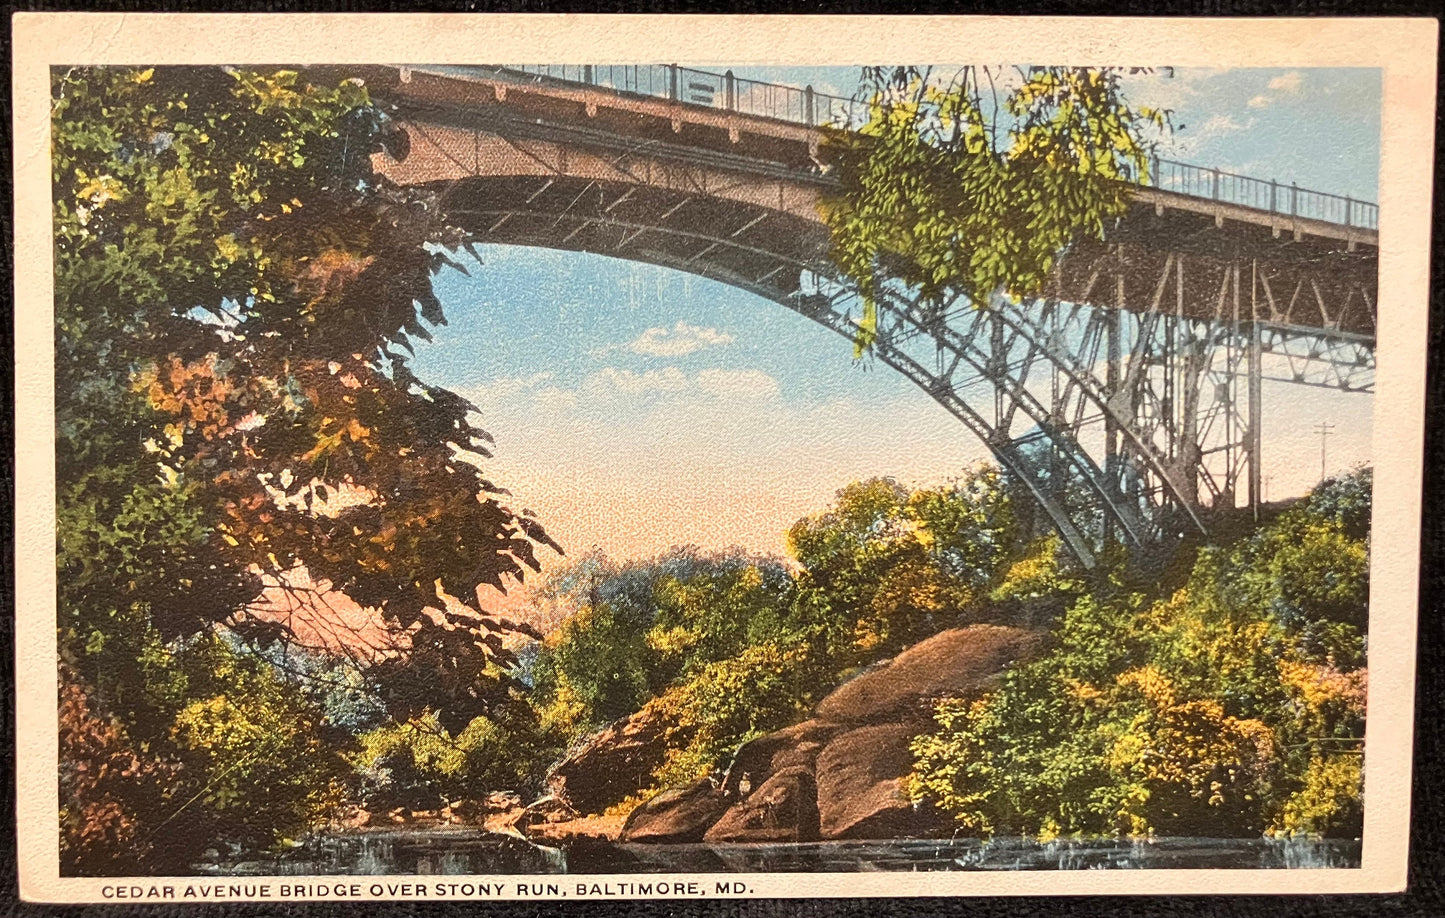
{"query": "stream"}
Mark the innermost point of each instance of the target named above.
(469, 851)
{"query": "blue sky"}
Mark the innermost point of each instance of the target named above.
(1319, 127)
(637, 408)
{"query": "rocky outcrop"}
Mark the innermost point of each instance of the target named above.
(860, 778)
(613, 764)
(961, 662)
(797, 745)
(677, 816)
(784, 808)
(838, 775)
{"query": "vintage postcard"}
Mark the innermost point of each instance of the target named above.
(567, 457)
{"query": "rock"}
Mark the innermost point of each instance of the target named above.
(860, 786)
(613, 764)
(464, 810)
(585, 855)
(501, 802)
(677, 816)
(957, 662)
(784, 808)
(565, 832)
(786, 748)
(550, 808)
(352, 817)
(838, 775)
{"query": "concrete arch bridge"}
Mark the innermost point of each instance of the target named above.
(1127, 399)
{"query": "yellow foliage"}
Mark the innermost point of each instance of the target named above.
(1329, 798)
(1152, 684)
(566, 712)
(671, 641)
(1324, 689)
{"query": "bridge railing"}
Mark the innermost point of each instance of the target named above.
(701, 87)
(805, 105)
(1274, 197)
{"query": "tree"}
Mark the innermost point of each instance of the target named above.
(235, 293)
(236, 296)
(968, 187)
(1211, 712)
(632, 630)
(885, 566)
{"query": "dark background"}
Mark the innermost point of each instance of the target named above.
(1426, 894)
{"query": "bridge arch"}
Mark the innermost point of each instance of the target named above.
(1142, 342)
(789, 268)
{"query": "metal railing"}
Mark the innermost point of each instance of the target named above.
(701, 87)
(1273, 197)
(806, 106)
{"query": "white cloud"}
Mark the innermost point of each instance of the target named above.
(748, 384)
(1286, 82)
(505, 388)
(613, 380)
(1169, 88)
(721, 384)
(611, 388)
(678, 341)
(1218, 125)
(1188, 142)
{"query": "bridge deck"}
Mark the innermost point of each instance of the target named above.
(738, 197)
(1282, 208)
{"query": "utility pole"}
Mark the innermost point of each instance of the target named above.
(1323, 428)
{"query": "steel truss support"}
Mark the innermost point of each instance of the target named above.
(1126, 402)
(1126, 426)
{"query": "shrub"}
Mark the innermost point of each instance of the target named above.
(254, 743)
(421, 766)
(112, 797)
(1233, 707)
(634, 630)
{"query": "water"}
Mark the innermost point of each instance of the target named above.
(475, 852)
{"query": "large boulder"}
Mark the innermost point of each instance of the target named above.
(784, 808)
(613, 764)
(860, 786)
(957, 662)
(837, 775)
(758, 759)
(677, 816)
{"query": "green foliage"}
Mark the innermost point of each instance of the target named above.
(235, 295)
(421, 765)
(635, 629)
(244, 757)
(253, 744)
(1330, 797)
(1038, 573)
(598, 662)
(728, 702)
(1215, 712)
(884, 567)
(234, 287)
(951, 190)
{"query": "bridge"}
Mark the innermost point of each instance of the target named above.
(1126, 399)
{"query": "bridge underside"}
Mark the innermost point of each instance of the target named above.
(1125, 399)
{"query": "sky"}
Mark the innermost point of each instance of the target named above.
(636, 408)
(1318, 127)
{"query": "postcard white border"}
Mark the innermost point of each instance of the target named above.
(1405, 49)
